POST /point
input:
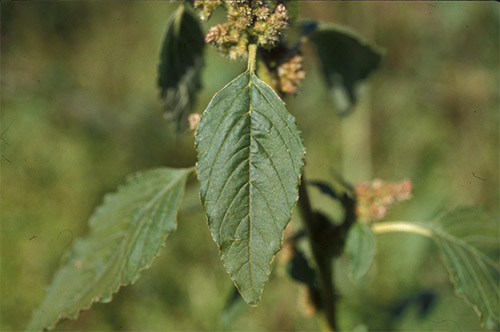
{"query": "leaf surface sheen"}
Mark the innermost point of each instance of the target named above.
(250, 157)
(126, 233)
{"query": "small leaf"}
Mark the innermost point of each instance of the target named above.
(346, 60)
(181, 60)
(361, 248)
(126, 233)
(466, 237)
(250, 157)
(299, 269)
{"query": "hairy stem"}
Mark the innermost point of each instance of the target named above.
(314, 232)
(400, 226)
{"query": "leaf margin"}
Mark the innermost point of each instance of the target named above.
(109, 195)
(251, 73)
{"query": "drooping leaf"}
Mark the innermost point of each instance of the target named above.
(325, 188)
(346, 60)
(250, 157)
(468, 238)
(299, 269)
(181, 61)
(126, 234)
(361, 248)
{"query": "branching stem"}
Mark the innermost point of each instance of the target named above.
(400, 226)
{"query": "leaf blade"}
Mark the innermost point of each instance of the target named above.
(250, 157)
(361, 248)
(126, 233)
(474, 274)
(346, 58)
(181, 62)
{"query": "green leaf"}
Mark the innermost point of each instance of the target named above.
(361, 248)
(346, 60)
(299, 269)
(181, 61)
(467, 237)
(126, 234)
(250, 157)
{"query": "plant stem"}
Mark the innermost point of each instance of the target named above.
(400, 226)
(252, 55)
(314, 232)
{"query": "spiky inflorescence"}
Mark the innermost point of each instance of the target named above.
(248, 21)
(373, 198)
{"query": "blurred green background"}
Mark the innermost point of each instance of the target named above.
(80, 110)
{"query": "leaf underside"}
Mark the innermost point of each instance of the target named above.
(468, 238)
(126, 233)
(346, 60)
(361, 247)
(181, 61)
(250, 157)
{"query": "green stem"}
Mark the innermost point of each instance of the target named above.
(400, 226)
(314, 232)
(252, 55)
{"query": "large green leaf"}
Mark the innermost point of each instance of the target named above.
(468, 238)
(360, 247)
(181, 60)
(250, 157)
(346, 60)
(126, 233)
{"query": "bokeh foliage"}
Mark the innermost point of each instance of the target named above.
(80, 110)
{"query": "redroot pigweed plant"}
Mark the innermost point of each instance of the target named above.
(250, 170)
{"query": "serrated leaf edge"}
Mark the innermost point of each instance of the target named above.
(94, 300)
(459, 293)
(252, 304)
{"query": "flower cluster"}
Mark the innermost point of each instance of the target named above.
(206, 7)
(373, 198)
(193, 120)
(290, 73)
(248, 21)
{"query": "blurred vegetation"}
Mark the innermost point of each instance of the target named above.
(80, 109)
